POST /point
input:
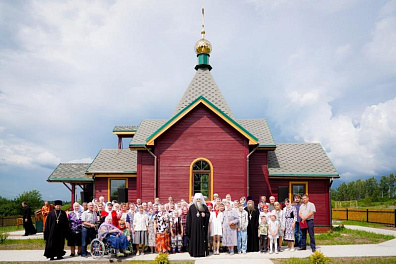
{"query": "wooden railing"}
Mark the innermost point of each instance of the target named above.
(379, 216)
(13, 221)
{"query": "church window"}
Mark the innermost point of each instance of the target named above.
(114, 185)
(300, 188)
(201, 178)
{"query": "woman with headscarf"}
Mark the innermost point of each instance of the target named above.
(75, 224)
(114, 236)
(197, 227)
(230, 228)
(289, 218)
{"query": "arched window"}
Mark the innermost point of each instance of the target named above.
(201, 175)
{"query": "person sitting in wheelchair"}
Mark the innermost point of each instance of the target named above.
(114, 237)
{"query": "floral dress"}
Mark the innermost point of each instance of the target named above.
(290, 216)
(151, 235)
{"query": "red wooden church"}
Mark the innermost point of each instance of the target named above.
(203, 148)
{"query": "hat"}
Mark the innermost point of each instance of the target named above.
(250, 197)
(209, 204)
(273, 214)
(265, 206)
(57, 202)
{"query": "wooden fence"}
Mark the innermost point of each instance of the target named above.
(379, 216)
(13, 221)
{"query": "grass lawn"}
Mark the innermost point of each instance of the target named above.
(345, 236)
(358, 223)
(21, 244)
(361, 260)
(10, 228)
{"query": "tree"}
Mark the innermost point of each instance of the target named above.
(384, 186)
(372, 188)
(392, 183)
(352, 192)
(360, 189)
(32, 198)
(343, 192)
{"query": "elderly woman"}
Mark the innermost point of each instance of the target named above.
(75, 224)
(114, 236)
(230, 227)
(279, 216)
(290, 218)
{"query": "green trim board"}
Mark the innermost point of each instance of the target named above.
(304, 175)
(69, 179)
(189, 107)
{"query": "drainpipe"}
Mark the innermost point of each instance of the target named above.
(331, 210)
(155, 171)
(247, 168)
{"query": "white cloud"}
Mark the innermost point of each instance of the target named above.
(26, 155)
(83, 160)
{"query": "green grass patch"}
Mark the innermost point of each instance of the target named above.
(10, 228)
(358, 223)
(355, 260)
(344, 236)
(23, 244)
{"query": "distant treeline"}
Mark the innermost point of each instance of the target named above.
(361, 189)
(14, 207)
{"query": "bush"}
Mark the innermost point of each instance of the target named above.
(3, 237)
(162, 258)
(318, 258)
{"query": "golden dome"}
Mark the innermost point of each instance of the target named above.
(203, 46)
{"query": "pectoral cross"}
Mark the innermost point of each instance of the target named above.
(250, 217)
(57, 221)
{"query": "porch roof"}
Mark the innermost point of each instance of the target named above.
(300, 159)
(70, 172)
(114, 161)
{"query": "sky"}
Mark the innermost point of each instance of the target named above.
(318, 71)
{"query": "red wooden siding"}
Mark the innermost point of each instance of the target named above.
(102, 185)
(258, 171)
(318, 191)
(101, 188)
(201, 133)
(132, 189)
(145, 182)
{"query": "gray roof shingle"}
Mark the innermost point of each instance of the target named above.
(260, 129)
(114, 161)
(204, 85)
(146, 128)
(300, 159)
(70, 172)
(125, 128)
(257, 127)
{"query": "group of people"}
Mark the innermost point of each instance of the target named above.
(197, 227)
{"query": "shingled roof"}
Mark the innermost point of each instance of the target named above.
(70, 172)
(146, 128)
(300, 159)
(260, 129)
(257, 127)
(125, 128)
(204, 85)
(114, 161)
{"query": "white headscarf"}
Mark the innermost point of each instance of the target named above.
(199, 195)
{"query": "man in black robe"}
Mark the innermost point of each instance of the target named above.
(197, 227)
(27, 220)
(252, 229)
(56, 230)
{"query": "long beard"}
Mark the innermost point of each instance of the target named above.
(250, 207)
(199, 206)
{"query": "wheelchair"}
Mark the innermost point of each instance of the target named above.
(99, 249)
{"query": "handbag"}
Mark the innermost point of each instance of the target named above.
(304, 225)
(233, 226)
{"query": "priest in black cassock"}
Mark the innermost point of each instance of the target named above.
(197, 227)
(27, 220)
(56, 230)
(252, 229)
